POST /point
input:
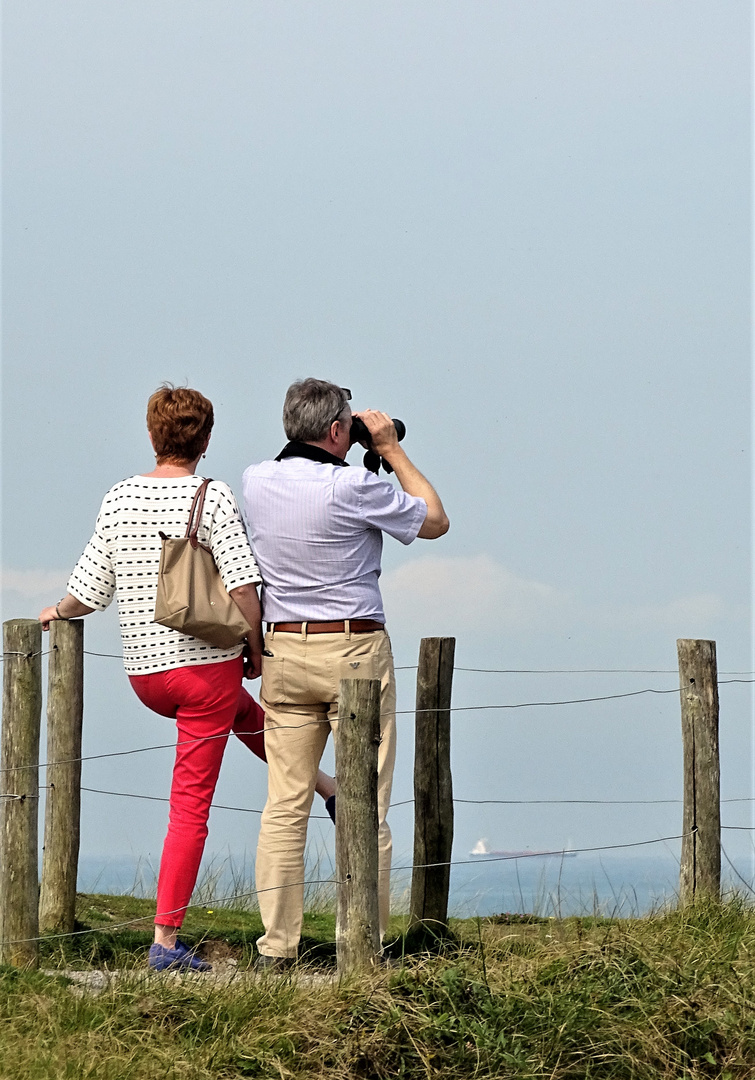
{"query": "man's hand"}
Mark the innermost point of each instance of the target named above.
(385, 443)
(382, 430)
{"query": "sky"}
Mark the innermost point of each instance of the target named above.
(524, 229)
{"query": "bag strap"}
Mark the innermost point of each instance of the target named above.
(195, 514)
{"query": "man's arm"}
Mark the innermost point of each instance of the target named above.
(385, 442)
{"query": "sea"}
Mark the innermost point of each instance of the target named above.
(604, 884)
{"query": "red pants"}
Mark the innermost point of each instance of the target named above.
(208, 703)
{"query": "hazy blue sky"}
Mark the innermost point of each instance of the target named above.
(524, 228)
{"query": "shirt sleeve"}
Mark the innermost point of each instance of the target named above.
(229, 543)
(390, 509)
(92, 581)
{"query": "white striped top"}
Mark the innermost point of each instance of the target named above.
(123, 559)
(317, 534)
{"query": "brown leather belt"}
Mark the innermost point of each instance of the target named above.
(356, 626)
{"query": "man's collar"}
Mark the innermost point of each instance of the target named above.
(311, 452)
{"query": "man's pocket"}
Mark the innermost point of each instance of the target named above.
(364, 667)
(285, 682)
(288, 680)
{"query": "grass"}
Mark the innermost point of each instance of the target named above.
(668, 997)
(114, 946)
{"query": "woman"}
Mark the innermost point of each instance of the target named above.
(173, 674)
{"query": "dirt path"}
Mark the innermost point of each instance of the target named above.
(225, 973)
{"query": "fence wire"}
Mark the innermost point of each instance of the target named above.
(568, 671)
(485, 671)
(216, 901)
(408, 802)
(481, 671)
(405, 712)
(174, 911)
(398, 712)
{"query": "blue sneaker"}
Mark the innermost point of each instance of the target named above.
(178, 959)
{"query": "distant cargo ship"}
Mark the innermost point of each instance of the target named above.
(481, 849)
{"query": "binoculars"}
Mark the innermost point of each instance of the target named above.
(360, 433)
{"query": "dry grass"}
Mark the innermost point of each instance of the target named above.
(671, 997)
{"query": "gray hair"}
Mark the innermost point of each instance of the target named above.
(310, 408)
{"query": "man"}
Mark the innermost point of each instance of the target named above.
(316, 530)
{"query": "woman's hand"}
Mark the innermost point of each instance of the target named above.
(67, 608)
(246, 599)
(46, 616)
(252, 661)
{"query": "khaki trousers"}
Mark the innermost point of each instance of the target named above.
(299, 693)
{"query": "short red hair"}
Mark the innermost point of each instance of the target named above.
(180, 421)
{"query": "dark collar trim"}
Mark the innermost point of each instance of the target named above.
(312, 453)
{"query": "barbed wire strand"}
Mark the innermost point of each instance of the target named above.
(407, 802)
(330, 881)
(158, 746)
(261, 731)
(733, 867)
(483, 671)
(26, 655)
(398, 712)
(587, 802)
(569, 701)
(213, 806)
(311, 723)
(539, 854)
(569, 671)
(414, 667)
(174, 911)
(512, 671)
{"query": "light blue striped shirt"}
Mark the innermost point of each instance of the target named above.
(316, 531)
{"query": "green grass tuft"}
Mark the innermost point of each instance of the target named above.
(670, 997)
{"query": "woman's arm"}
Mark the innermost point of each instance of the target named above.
(67, 608)
(248, 602)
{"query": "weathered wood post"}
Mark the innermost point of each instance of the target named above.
(19, 792)
(700, 872)
(433, 790)
(65, 705)
(357, 739)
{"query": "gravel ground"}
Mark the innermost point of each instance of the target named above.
(224, 973)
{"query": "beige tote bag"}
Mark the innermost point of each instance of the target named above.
(191, 597)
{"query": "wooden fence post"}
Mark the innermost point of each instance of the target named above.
(65, 704)
(357, 739)
(19, 792)
(433, 790)
(700, 872)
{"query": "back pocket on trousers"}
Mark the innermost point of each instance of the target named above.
(284, 682)
(364, 667)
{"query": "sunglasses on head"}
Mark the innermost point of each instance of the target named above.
(340, 410)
